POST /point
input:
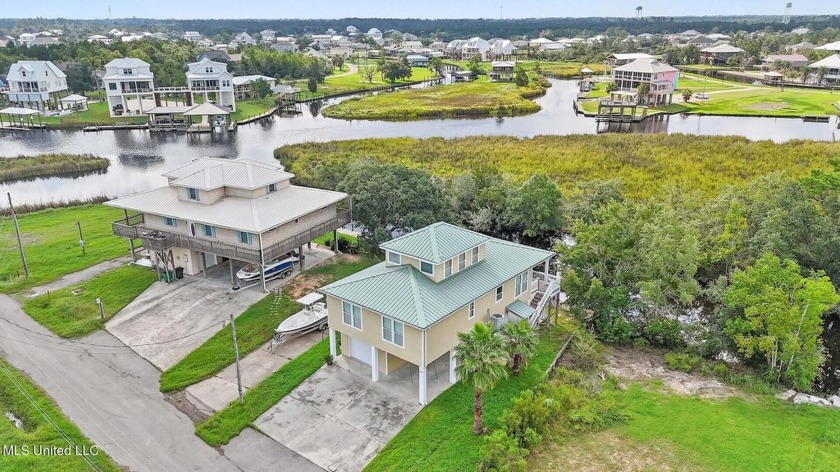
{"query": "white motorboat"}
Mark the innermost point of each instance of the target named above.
(312, 317)
(276, 268)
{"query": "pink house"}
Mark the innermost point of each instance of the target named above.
(660, 76)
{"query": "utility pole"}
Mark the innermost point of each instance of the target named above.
(17, 231)
(81, 239)
(236, 357)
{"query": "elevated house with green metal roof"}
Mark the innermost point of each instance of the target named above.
(434, 283)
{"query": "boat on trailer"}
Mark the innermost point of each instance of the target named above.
(312, 317)
(277, 268)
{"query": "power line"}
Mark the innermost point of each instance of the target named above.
(46, 416)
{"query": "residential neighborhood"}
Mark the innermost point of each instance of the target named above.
(419, 237)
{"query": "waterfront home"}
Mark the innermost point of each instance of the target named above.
(243, 39)
(285, 45)
(502, 71)
(803, 46)
(828, 68)
(619, 59)
(660, 76)
(25, 38)
(416, 60)
(216, 210)
(701, 41)
(435, 282)
(475, 47)
(192, 36)
(45, 41)
(794, 61)
(501, 50)
(37, 85)
(211, 81)
(98, 38)
(268, 36)
(129, 86)
(720, 54)
(243, 86)
(214, 55)
(453, 48)
(411, 46)
(835, 46)
(375, 35)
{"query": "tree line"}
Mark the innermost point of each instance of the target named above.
(747, 271)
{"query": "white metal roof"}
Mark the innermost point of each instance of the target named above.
(74, 98)
(206, 109)
(253, 215)
(631, 56)
(238, 173)
(127, 62)
(34, 69)
(247, 79)
(169, 110)
(18, 111)
(648, 65)
(835, 46)
(831, 62)
(722, 48)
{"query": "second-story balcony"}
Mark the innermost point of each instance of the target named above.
(134, 227)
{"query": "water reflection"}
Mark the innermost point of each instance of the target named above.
(138, 157)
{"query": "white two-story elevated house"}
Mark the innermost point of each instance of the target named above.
(129, 85)
(228, 210)
(210, 81)
(436, 282)
(37, 85)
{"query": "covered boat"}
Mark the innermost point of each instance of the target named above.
(312, 317)
(276, 268)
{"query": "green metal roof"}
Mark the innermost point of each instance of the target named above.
(406, 294)
(435, 243)
(520, 309)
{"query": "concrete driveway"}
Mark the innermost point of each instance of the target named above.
(168, 321)
(339, 419)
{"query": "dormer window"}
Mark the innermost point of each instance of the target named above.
(23, 73)
(462, 261)
(447, 268)
(193, 194)
(394, 258)
(427, 268)
(271, 188)
(208, 70)
(475, 254)
(127, 72)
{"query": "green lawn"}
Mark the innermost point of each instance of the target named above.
(564, 69)
(51, 243)
(254, 328)
(37, 431)
(478, 98)
(97, 113)
(343, 83)
(440, 437)
(249, 108)
(71, 316)
(227, 424)
(766, 101)
(675, 432)
(697, 83)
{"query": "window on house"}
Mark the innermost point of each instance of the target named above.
(209, 231)
(462, 261)
(471, 311)
(245, 238)
(192, 194)
(447, 268)
(393, 331)
(271, 188)
(427, 268)
(500, 293)
(394, 258)
(475, 255)
(112, 86)
(170, 221)
(127, 72)
(23, 73)
(351, 314)
(521, 283)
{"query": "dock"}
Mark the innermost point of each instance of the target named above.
(115, 127)
(616, 111)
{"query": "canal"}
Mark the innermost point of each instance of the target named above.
(139, 157)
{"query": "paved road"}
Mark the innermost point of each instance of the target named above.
(111, 393)
(78, 277)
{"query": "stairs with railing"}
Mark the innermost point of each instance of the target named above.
(545, 287)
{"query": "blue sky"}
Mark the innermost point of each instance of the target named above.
(182, 9)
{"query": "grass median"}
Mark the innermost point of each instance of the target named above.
(40, 418)
(255, 326)
(51, 242)
(72, 315)
(227, 424)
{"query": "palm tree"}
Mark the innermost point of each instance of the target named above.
(611, 87)
(481, 358)
(522, 343)
(644, 91)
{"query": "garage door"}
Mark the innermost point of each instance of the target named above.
(360, 350)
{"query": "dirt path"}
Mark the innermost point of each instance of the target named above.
(353, 69)
(637, 365)
(76, 277)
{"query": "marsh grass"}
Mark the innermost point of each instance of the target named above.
(49, 165)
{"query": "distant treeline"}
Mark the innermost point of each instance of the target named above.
(444, 28)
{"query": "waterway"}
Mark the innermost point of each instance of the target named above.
(139, 157)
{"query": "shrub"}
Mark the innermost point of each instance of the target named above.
(584, 353)
(615, 330)
(682, 361)
(502, 453)
(664, 332)
(528, 419)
